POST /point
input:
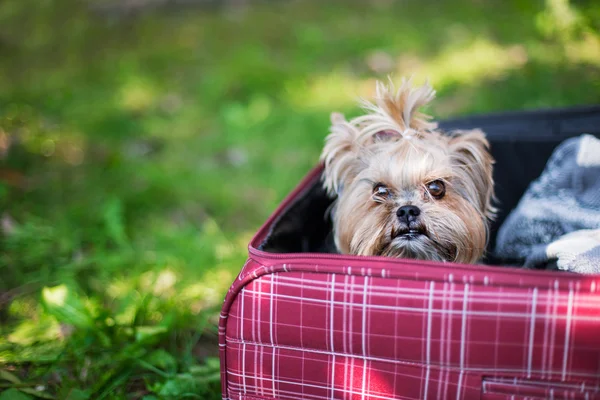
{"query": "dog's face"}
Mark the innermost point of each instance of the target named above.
(407, 190)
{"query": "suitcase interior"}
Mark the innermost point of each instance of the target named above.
(521, 144)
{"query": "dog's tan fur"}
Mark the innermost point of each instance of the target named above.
(396, 145)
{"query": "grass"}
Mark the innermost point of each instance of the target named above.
(139, 152)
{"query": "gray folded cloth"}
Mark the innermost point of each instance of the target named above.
(557, 222)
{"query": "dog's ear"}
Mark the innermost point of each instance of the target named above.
(339, 154)
(470, 151)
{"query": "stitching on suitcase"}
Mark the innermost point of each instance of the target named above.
(307, 267)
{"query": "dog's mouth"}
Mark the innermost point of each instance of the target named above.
(415, 241)
(409, 233)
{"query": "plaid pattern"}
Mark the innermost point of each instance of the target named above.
(323, 326)
(316, 331)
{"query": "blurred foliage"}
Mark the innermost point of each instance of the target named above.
(140, 151)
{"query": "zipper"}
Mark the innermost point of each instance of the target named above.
(355, 260)
(276, 256)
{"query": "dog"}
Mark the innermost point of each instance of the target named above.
(404, 188)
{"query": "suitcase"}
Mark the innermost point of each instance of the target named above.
(300, 323)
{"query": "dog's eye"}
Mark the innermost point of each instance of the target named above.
(381, 191)
(437, 189)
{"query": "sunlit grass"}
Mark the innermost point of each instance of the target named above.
(336, 90)
(136, 96)
(584, 51)
(467, 65)
(480, 60)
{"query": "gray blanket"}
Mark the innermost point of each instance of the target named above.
(557, 222)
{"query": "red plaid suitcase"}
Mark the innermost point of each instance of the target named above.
(300, 324)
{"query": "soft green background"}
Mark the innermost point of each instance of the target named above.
(141, 148)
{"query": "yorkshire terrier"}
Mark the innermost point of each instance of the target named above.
(404, 188)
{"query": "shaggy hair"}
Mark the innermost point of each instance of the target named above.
(393, 156)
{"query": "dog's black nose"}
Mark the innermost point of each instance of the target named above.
(408, 214)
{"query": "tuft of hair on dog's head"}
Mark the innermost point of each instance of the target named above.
(393, 115)
(393, 159)
(401, 105)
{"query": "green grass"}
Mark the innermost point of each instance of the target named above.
(139, 153)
